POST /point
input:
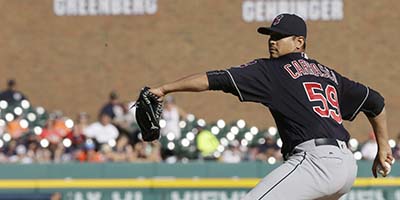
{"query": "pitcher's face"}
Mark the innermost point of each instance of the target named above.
(279, 45)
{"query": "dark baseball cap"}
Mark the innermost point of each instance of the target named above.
(286, 24)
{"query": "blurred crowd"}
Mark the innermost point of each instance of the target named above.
(30, 134)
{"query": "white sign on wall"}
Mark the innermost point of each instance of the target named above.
(104, 7)
(267, 10)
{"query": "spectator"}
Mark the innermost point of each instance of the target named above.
(60, 154)
(139, 151)
(32, 151)
(113, 107)
(89, 153)
(51, 132)
(10, 149)
(396, 149)
(268, 149)
(21, 156)
(60, 123)
(107, 153)
(370, 148)
(43, 155)
(131, 155)
(77, 135)
(120, 153)
(121, 117)
(251, 154)
(15, 129)
(11, 95)
(125, 123)
(169, 156)
(153, 151)
(232, 154)
(102, 131)
(172, 114)
(126, 118)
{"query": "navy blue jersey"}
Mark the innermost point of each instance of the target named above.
(307, 99)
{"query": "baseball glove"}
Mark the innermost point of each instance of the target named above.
(148, 113)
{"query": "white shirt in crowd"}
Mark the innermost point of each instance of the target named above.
(369, 150)
(102, 133)
(171, 118)
(231, 156)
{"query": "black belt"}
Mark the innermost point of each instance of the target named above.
(318, 142)
(326, 141)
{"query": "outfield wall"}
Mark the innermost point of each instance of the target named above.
(151, 181)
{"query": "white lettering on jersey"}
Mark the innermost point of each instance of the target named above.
(301, 67)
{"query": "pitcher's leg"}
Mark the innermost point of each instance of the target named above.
(342, 169)
(291, 180)
(352, 169)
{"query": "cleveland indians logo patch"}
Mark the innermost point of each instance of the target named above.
(277, 20)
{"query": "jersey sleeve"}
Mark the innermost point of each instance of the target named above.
(252, 81)
(353, 96)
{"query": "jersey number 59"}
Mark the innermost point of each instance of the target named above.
(329, 96)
